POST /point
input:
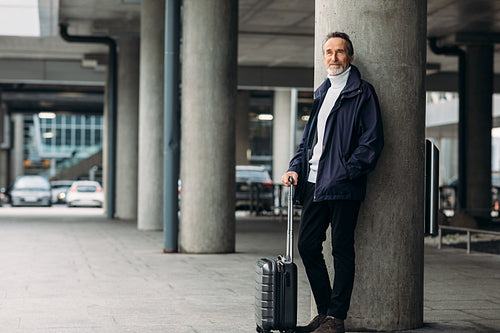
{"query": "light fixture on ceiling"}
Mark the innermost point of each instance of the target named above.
(265, 116)
(46, 115)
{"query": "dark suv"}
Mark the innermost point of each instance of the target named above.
(254, 188)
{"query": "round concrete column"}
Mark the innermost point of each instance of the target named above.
(150, 187)
(389, 49)
(209, 52)
(281, 132)
(478, 122)
(127, 128)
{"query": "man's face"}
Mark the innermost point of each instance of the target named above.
(336, 57)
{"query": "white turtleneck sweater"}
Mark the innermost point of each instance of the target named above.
(338, 83)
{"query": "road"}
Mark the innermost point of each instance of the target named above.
(56, 210)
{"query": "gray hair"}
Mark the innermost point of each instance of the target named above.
(344, 36)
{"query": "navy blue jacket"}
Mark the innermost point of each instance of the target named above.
(352, 143)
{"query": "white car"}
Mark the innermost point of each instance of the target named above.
(85, 193)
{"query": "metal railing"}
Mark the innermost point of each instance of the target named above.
(279, 199)
(469, 232)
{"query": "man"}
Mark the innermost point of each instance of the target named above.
(340, 146)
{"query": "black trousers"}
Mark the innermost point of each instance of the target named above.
(316, 217)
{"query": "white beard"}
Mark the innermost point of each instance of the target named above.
(338, 71)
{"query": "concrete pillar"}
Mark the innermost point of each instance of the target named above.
(17, 153)
(478, 122)
(389, 49)
(281, 132)
(209, 51)
(4, 145)
(127, 128)
(105, 146)
(448, 159)
(4, 168)
(242, 127)
(150, 187)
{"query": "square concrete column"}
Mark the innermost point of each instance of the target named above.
(209, 53)
(4, 168)
(389, 39)
(17, 152)
(241, 125)
(281, 132)
(478, 123)
(150, 180)
(127, 128)
(4, 144)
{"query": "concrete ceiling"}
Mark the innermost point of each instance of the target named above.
(272, 33)
(281, 32)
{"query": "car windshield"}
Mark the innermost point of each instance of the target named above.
(32, 183)
(86, 188)
(252, 176)
(60, 186)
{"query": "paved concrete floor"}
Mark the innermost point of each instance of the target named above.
(76, 271)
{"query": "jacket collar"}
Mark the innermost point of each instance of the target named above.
(352, 84)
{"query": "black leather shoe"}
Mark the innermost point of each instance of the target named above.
(331, 325)
(314, 324)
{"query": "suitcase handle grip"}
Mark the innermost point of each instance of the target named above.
(289, 231)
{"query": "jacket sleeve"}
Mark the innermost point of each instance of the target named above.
(296, 161)
(371, 137)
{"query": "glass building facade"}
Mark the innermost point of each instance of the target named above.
(70, 133)
(57, 141)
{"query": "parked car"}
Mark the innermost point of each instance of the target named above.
(254, 188)
(449, 200)
(59, 189)
(85, 193)
(3, 196)
(30, 191)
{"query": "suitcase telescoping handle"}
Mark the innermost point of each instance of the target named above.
(289, 229)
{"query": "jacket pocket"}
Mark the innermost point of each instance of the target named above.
(341, 172)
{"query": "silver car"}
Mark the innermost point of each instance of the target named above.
(31, 191)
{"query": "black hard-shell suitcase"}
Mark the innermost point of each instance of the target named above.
(276, 287)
